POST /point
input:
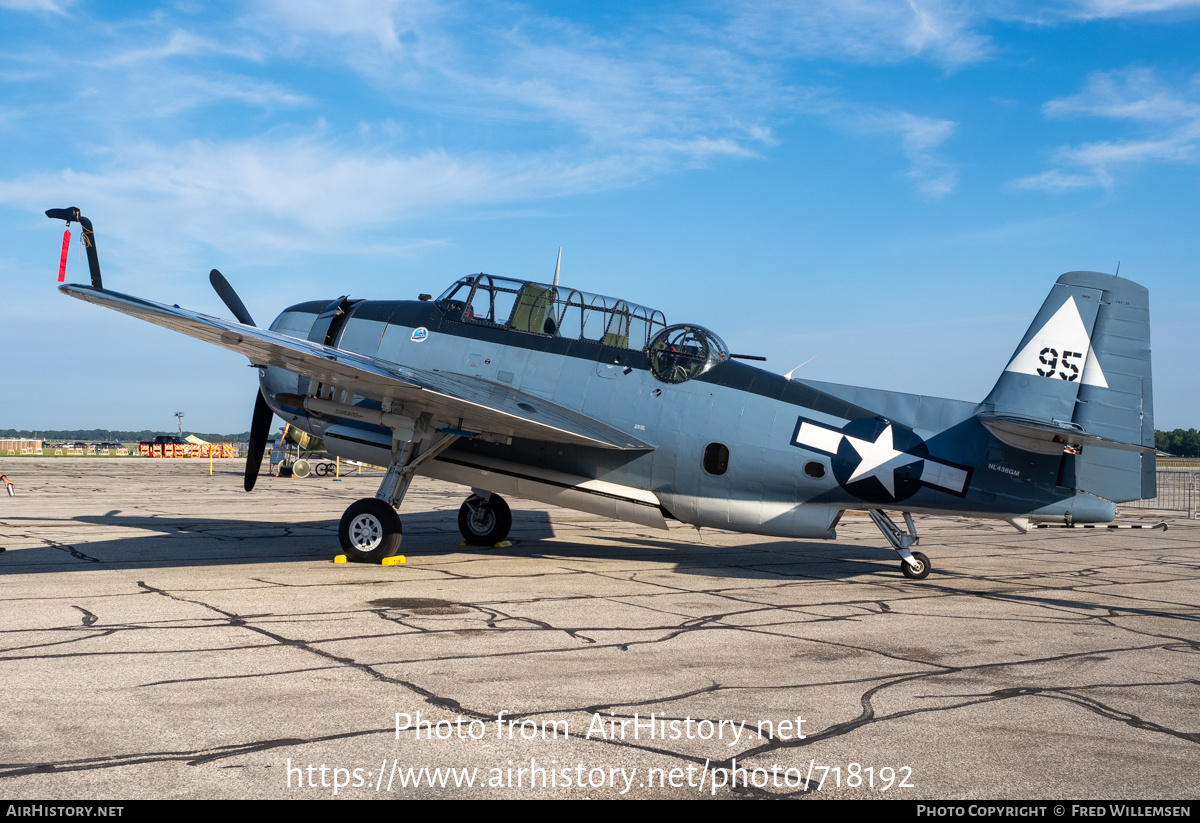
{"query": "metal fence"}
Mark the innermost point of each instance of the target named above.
(1178, 490)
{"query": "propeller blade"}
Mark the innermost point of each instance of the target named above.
(260, 430)
(230, 298)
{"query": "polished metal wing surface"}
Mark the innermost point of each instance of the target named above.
(469, 403)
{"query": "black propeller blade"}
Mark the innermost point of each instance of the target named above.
(260, 430)
(230, 298)
(260, 424)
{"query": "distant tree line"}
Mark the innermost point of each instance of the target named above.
(114, 436)
(1180, 442)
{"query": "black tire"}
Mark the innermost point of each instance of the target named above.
(321, 469)
(487, 524)
(370, 531)
(916, 574)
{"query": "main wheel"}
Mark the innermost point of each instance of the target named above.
(370, 531)
(922, 569)
(484, 523)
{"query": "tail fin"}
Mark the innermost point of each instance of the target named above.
(1080, 382)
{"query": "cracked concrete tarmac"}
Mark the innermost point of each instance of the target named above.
(164, 634)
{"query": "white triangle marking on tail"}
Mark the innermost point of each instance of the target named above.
(1058, 348)
(1093, 375)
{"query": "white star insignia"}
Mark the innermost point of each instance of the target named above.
(879, 459)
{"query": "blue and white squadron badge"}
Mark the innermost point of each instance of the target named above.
(879, 461)
(419, 334)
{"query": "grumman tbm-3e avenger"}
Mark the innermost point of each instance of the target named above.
(598, 404)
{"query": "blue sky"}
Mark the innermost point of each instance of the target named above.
(889, 188)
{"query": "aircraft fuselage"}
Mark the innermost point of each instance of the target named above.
(736, 447)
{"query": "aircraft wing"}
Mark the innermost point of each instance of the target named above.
(468, 403)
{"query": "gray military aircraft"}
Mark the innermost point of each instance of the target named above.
(598, 404)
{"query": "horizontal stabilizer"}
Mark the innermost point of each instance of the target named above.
(1045, 437)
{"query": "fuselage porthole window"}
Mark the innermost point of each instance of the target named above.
(716, 458)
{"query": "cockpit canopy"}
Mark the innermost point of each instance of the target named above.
(674, 353)
(537, 308)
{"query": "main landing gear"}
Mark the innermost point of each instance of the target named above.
(914, 565)
(484, 519)
(370, 529)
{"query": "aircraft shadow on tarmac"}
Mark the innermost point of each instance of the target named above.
(171, 542)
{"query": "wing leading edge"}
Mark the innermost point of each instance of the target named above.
(480, 405)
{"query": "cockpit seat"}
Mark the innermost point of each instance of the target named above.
(532, 312)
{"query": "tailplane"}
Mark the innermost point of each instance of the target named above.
(1079, 384)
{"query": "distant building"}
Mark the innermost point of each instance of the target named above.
(20, 446)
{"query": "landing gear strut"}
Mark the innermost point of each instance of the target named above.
(370, 529)
(484, 519)
(914, 565)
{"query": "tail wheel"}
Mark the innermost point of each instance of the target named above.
(920, 571)
(370, 531)
(484, 522)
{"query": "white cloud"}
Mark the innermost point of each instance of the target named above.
(877, 31)
(944, 32)
(1066, 12)
(35, 5)
(921, 139)
(126, 78)
(383, 22)
(1108, 9)
(1057, 181)
(921, 136)
(294, 194)
(179, 43)
(1130, 94)
(527, 68)
(1168, 117)
(678, 91)
(604, 111)
(163, 96)
(381, 38)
